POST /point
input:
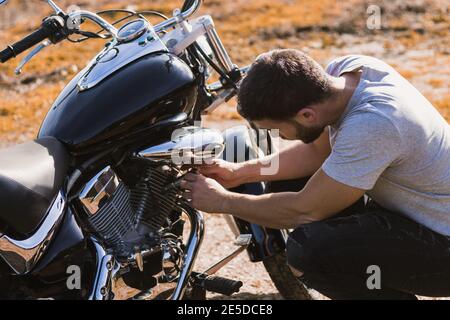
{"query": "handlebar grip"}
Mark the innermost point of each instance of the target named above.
(29, 41)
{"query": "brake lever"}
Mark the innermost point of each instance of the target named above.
(30, 56)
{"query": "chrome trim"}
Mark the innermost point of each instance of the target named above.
(192, 10)
(127, 52)
(216, 86)
(76, 15)
(193, 247)
(219, 99)
(219, 50)
(222, 96)
(124, 53)
(193, 142)
(23, 255)
(99, 188)
(107, 267)
(187, 33)
(30, 56)
(55, 7)
(172, 22)
(136, 34)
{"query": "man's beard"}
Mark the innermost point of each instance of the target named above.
(307, 135)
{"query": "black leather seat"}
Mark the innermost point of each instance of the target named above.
(31, 174)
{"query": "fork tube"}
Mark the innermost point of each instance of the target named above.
(220, 51)
(193, 246)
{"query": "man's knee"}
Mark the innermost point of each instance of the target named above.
(309, 248)
(299, 251)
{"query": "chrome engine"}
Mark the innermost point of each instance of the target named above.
(135, 211)
(132, 217)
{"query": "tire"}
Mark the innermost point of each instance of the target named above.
(289, 286)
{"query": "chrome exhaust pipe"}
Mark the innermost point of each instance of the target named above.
(193, 246)
(107, 266)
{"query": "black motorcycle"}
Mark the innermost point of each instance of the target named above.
(94, 204)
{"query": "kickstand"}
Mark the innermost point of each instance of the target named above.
(243, 241)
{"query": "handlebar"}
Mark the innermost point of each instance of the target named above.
(184, 15)
(29, 41)
(79, 15)
(52, 28)
(55, 30)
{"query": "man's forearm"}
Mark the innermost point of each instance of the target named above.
(277, 211)
(297, 161)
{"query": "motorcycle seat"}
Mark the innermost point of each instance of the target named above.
(31, 174)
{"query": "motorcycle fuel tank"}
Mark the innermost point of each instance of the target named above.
(117, 95)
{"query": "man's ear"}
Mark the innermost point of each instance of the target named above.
(307, 115)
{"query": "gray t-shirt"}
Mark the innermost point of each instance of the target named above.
(392, 143)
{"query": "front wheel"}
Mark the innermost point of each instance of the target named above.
(289, 286)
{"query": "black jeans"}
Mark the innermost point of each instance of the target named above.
(335, 254)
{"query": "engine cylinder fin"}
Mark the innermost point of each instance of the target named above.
(115, 218)
(146, 203)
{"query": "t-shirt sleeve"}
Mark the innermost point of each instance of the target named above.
(366, 144)
(331, 68)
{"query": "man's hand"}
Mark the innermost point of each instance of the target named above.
(298, 160)
(204, 194)
(228, 174)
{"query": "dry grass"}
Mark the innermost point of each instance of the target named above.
(414, 38)
(437, 83)
(443, 104)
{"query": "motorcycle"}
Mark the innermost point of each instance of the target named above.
(94, 203)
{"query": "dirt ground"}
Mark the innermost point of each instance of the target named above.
(217, 244)
(414, 37)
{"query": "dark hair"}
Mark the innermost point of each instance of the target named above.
(280, 83)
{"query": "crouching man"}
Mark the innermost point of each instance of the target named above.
(362, 129)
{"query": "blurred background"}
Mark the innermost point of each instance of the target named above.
(411, 35)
